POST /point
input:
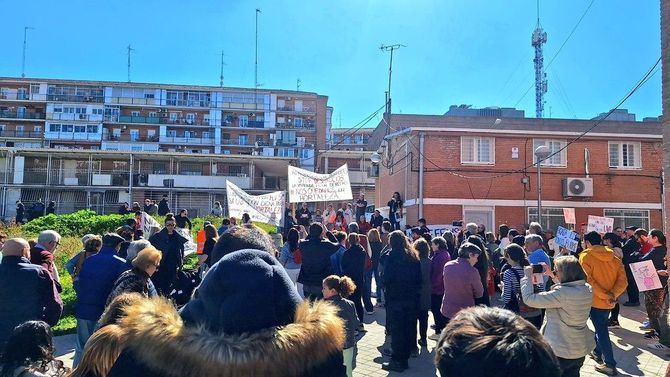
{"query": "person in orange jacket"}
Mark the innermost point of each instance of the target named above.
(605, 273)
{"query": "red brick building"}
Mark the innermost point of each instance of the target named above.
(481, 169)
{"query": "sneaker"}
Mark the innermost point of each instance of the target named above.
(614, 325)
(423, 342)
(656, 346)
(651, 335)
(646, 325)
(394, 366)
(606, 369)
(370, 312)
(596, 358)
(628, 303)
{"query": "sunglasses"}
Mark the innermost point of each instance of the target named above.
(169, 224)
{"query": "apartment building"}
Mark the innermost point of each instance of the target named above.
(93, 144)
(483, 169)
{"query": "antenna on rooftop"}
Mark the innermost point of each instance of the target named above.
(539, 38)
(130, 49)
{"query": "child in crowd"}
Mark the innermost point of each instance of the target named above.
(336, 290)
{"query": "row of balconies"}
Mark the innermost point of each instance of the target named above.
(14, 114)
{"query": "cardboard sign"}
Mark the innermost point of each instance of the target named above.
(438, 230)
(267, 208)
(600, 224)
(566, 238)
(306, 186)
(569, 215)
(645, 275)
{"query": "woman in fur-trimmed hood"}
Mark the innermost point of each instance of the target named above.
(247, 320)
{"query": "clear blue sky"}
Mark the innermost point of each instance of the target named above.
(458, 52)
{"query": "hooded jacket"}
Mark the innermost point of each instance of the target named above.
(234, 328)
(605, 273)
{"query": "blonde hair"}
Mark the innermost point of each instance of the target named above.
(373, 235)
(146, 257)
(101, 351)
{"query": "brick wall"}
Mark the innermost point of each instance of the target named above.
(665, 55)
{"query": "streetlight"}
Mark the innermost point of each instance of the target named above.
(375, 158)
(541, 153)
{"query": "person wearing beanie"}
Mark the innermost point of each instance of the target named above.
(234, 327)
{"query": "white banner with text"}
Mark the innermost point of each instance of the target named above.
(306, 186)
(266, 208)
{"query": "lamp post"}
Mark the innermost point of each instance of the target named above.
(541, 153)
(376, 160)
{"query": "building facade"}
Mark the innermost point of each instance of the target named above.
(95, 144)
(483, 169)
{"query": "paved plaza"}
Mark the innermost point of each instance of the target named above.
(630, 351)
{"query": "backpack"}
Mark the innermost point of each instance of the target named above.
(297, 256)
(516, 304)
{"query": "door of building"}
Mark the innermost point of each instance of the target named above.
(479, 215)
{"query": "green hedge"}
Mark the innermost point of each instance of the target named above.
(77, 223)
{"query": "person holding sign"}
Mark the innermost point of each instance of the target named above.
(395, 210)
(653, 299)
(605, 273)
(304, 215)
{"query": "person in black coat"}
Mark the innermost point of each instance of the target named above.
(234, 328)
(402, 284)
(304, 215)
(353, 266)
(182, 219)
(316, 265)
(51, 208)
(20, 212)
(630, 248)
(171, 244)
(163, 206)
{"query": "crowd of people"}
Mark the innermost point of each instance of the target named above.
(252, 308)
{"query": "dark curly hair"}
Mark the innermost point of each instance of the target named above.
(30, 345)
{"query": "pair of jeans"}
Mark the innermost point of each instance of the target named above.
(349, 356)
(631, 289)
(401, 320)
(85, 328)
(438, 318)
(367, 291)
(357, 300)
(378, 283)
(422, 317)
(600, 318)
(570, 367)
(614, 315)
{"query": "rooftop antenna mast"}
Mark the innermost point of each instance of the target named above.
(23, 60)
(258, 10)
(221, 75)
(297, 85)
(389, 48)
(130, 49)
(538, 40)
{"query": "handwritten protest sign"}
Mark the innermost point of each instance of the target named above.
(306, 186)
(645, 275)
(566, 238)
(569, 215)
(600, 224)
(267, 208)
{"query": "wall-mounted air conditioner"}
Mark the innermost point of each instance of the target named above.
(578, 187)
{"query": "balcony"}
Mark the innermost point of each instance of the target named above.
(21, 134)
(290, 109)
(134, 101)
(183, 139)
(74, 98)
(197, 121)
(75, 117)
(78, 136)
(13, 114)
(189, 181)
(138, 119)
(236, 142)
(306, 125)
(149, 139)
(254, 124)
(21, 96)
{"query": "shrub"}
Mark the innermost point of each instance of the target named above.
(76, 224)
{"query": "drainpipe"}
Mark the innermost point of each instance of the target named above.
(421, 158)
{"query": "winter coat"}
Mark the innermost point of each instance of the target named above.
(630, 247)
(424, 298)
(657, 256)
(347, 311)
(315, 261)
(462, 285)
(605, 273)
(376, 251)
(567, 309)
(172, 248)
(336, 261)
(150, 209)
(440, 258)
(234, 328)
(217, 211)
(134, 280)
(44, 258)
(163, 207)
(95, 282)
(287, 259)
(181, 221)
(376, 221)
(27, 292)
(353, 264)
(402, 278)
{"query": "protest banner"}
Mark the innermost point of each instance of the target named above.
(600, 224)
(306, 186)
(267, 208)
(438, 230)
(645, 276)
(566, 238)
(569, 215)
(148, 225)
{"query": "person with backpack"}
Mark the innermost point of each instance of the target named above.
(92, 245)
(511, 285)
(336, 290)
(290, 257)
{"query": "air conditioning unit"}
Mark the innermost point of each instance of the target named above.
(580, 187)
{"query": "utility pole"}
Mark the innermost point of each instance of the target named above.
(23, 61)
(389, 48)
(221, 75)
(130, 49)
(297, 85)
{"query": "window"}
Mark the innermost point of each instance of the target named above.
(172, 133)
(116, 132)
(152, 114)
(190, 118)
(92, 129)
(173, 117)
(552, 218)
(625, 155)
(244, 139)
(298, 122)
(36, 129)
(557, 159)
(20, 128)
(225, 151)
(80, 129)
(134, 135)
(206, 135)
(477, 150)
(135, 113)
(159, 168)
(235, 169)
(244, 121)
(191, 168)
(66, 128)
(629, 217)
(97, 111)
(58, 109)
